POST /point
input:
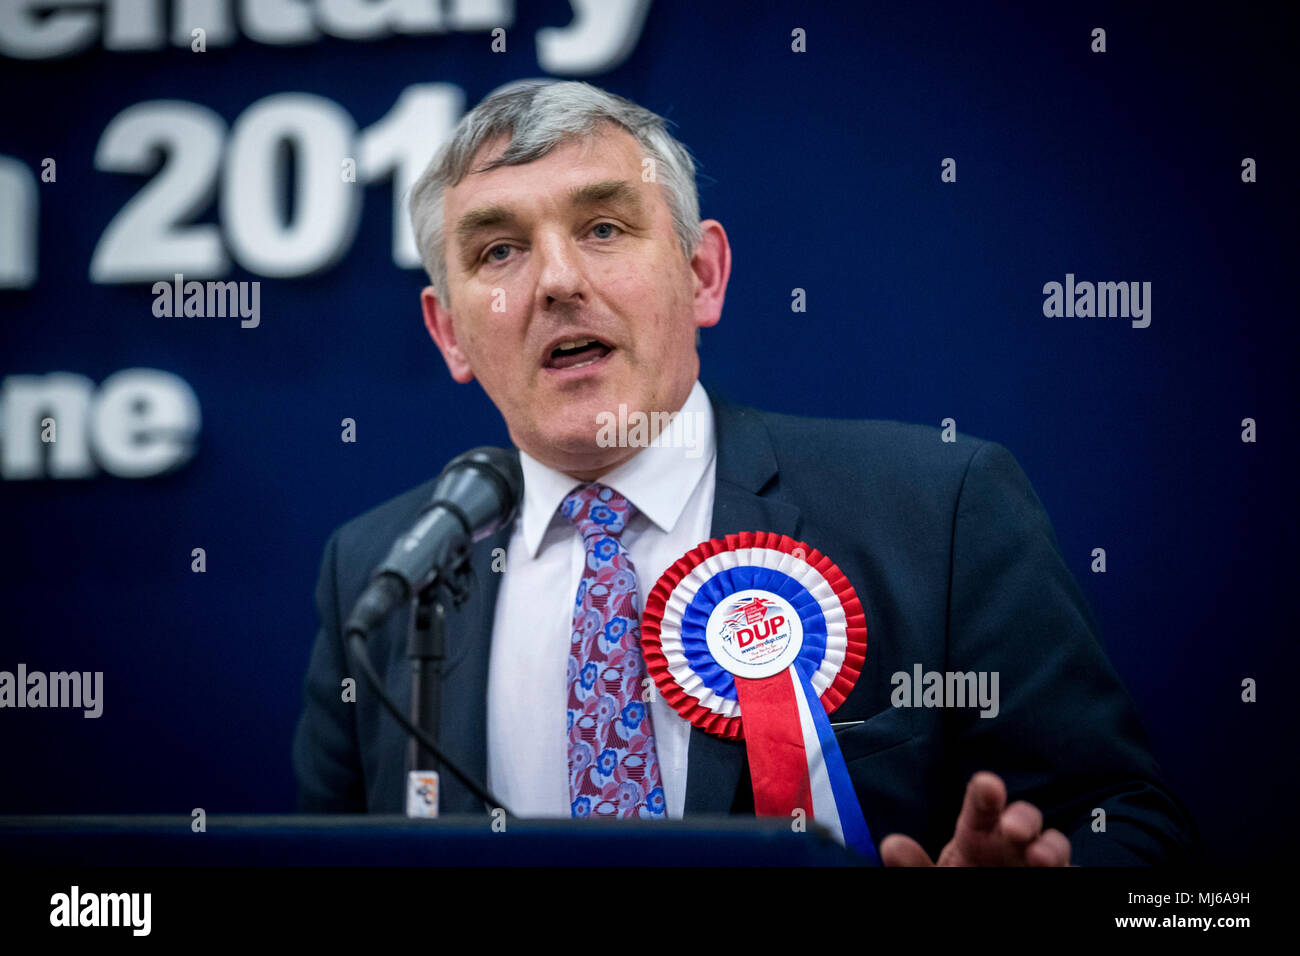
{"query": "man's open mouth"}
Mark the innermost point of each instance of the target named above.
(575, 353)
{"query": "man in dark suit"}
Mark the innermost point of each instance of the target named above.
(569, 284)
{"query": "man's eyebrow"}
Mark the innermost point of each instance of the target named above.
(607, 191)
(485, 217)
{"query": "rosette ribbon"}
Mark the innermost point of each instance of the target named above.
(758, 637)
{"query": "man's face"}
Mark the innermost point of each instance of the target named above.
(570, 295)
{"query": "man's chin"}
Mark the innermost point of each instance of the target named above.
(580, 432)
(582, 449)
(576, 420)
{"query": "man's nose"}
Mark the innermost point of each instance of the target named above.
(560, 278)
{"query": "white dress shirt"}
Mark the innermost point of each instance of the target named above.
(527, 740)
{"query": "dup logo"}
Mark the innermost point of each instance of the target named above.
(754, 633)
(747, 621)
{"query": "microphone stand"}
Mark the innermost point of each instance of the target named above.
(476, 494)
(426, 648)
(356, 635)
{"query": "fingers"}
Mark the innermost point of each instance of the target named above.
(1022, 823)
(1050, 849)
(986, 796)
(899, 850)
(988, 833)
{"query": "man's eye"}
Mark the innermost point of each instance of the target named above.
(492, 252)
(605, 225)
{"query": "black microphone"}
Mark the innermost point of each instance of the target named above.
(476, 494)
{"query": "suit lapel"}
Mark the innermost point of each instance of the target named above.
(746, 466)
(463, 728)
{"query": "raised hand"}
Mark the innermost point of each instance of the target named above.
(988, 833)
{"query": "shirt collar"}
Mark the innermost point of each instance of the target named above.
(657, 480)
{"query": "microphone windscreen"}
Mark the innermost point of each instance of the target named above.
(486, 484)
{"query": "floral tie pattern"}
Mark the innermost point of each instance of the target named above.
(613, 767)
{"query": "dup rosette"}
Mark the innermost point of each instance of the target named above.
(758, 637)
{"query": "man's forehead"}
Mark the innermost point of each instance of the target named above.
(609, 153)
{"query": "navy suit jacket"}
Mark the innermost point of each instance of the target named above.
(958, 569)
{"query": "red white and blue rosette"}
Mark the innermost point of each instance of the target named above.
(759, 637)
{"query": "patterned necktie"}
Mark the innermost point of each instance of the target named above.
(613, 768)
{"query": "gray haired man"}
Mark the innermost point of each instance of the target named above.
(570, 275)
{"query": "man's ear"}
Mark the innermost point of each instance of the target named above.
(712, 267)
(443, 332)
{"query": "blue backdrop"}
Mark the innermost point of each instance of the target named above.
(924, 301)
